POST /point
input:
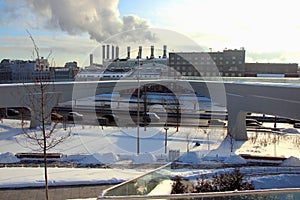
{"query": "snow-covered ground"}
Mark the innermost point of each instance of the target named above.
(113, 145)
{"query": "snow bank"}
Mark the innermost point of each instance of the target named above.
(163, 188)
(235, 159)
(106, 158)
(190, 157)
(8, 158)
(97, 158)
(291, 161)
(290, 130)
(145, 158)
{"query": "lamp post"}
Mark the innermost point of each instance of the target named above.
(138, 111)
(166, 136)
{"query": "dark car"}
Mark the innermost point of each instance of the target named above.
(216, 122)
(75, 116)
(12, 112)
(253, 122)
(151, 117)
(56, 117)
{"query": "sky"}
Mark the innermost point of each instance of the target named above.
(268, 30)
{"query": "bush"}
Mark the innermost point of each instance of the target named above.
(223, 182)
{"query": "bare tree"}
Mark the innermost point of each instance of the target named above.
(40, 99)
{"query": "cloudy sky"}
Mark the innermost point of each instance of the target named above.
(71, 30)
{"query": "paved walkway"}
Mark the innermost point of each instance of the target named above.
(55, 193)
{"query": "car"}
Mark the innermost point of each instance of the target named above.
(297, 125)
(102, 121)
(12, 112)
(75, 116)
(151, 117)
(111, 118)
(56, 117)
(253, 122)
(216, 122)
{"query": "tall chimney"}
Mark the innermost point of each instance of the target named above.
(152, 52)
(140, 52)
(103, 52)
(117, 52)
(91, 59)
(128, 52)
(107, 53)
(165, 51)
(112, 52)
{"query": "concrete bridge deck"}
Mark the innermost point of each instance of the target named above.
(281, 99)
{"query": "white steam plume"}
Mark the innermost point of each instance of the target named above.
(99, 18)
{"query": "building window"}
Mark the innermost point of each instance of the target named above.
(221, 58)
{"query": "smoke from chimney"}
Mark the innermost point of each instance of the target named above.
(99, 18)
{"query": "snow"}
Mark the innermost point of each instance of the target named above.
(8, 158)
(112, 145)
(28, 176)
(145, 158)
(190, 157)
(163, 188)
(235, 159)
(291, 161)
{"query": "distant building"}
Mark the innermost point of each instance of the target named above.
(226, 63)
(20, 71)
(229, 63)
(271, 69)
(41, 64)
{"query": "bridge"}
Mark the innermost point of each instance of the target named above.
(279, 99)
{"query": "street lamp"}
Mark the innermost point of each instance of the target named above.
(138, 111)
(166, 136)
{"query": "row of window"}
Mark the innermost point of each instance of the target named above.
(208, 58)
(206, 63)
(207, 74)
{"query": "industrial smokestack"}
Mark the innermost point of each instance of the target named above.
(128, 52)
(103, 52)
(140, 52)
(152, 52)
(91, 59)
(165, 51)
(107, 51)
(112, 52)
(117, 52)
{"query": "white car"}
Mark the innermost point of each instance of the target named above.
(152, 117)
(75, 116)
